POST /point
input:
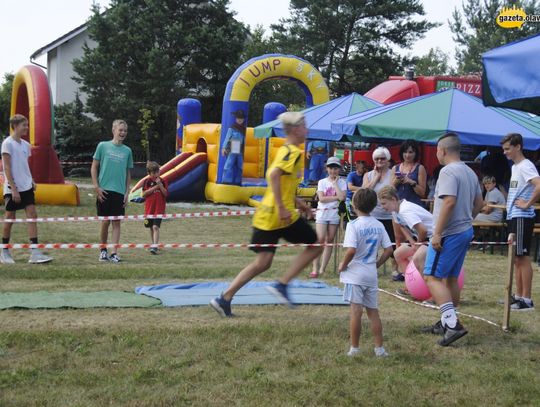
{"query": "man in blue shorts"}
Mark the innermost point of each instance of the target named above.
(277, 217)
(458, 199)
(111, 177)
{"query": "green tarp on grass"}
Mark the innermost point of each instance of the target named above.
(76, 299)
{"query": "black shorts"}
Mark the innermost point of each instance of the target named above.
(27, 199)
(148, 223)
(523, 230)
(299, 232)
(113, 205)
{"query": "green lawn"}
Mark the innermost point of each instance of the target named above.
(267, 355)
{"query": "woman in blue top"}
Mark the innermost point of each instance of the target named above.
(410, 177)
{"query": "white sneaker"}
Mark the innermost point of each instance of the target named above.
(36, 257)
(103, 255)
(5, 257)
(114, 258)
(353, 352)
(381, 352)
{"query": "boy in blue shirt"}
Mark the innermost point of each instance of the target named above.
(358, 270)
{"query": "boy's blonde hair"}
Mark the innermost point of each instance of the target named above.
(489, 178)
(364, 200)
(118, 122)
(152, 166)
(388, 192)
(17, 119)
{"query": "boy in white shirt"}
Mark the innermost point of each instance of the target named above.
(19, 187)
(358, 270)
(493, 196)
(524, 191)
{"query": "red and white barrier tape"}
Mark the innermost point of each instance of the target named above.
(421, 304)
(149, 245)
(90, 162)
(133, 217)
(169, 245)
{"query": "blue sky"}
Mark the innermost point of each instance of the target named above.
(27, 25)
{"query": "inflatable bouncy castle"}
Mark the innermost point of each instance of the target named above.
(31, 97)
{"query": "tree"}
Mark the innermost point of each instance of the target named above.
(350, 41)
(277, 90)
(475, 30)
(150, 53)
(435, 62)
(5, 103)
(76, 135)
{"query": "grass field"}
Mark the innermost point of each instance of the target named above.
(266, 356)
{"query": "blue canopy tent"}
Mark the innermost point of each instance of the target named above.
(511, 76)
(428, 117)
(319, 118)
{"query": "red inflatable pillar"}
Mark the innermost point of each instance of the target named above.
(31, 96)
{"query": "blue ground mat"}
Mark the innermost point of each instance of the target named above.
(254, 293)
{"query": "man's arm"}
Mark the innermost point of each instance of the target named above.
(478, 205)
(94, 172)
(447, 207)
(522, 204)
(6, 162)
(128, 183)
(349, 254)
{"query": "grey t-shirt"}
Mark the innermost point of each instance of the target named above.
(457, 179)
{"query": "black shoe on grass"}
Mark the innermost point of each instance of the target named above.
(452, 334)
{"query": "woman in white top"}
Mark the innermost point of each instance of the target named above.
(330, 192)
(413, 224)
(379, 177)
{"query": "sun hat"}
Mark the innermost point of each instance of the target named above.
(333, 161)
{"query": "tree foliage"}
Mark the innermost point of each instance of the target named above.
(476, 31)
(277, 90)
(76, 135)
(151, 53)
(435, 62)
(351, 41)
(5, 103)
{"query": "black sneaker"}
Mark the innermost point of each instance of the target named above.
(435, 329)
(521, 305)
(398, 277)
(452, 334)
(513, 300)
(222, 306)
(279, 291)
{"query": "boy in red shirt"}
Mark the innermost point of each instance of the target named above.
(155, 195)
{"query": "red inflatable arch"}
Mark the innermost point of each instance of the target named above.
(31, 97)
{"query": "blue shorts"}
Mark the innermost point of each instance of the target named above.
(448, 262)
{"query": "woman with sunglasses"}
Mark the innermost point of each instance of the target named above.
(376, 179)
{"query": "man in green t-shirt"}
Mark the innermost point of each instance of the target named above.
(111, 177)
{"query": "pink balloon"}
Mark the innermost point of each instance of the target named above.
(417, 286)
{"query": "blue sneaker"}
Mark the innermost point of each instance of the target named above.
(279, 291)
(222, 306)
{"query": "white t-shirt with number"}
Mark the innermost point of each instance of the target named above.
(365, 234)
(19, 153)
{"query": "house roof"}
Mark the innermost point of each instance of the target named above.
(59, 41)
